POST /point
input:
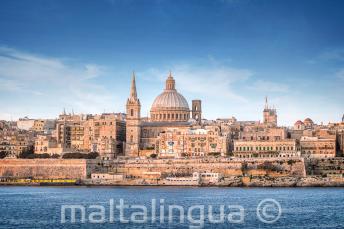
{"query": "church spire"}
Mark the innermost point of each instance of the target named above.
(133, 93)
(266, 103)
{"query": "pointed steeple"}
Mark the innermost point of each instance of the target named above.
(266, 103)
(133, 93)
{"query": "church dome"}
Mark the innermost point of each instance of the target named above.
(308, 120)
(170, 99)
(298, 122)
(170, 105)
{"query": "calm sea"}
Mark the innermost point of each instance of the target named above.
(40, 207)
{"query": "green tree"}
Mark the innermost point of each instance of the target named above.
(92, 155)
(27, 153)
(3, 154)
(153, 155)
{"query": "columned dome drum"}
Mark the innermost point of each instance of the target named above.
(170, 106)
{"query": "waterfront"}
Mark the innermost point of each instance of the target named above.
(40, 207)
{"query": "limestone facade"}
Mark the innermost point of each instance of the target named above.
(254, 149)
(47, 144)
(176, 143)
(314, 147)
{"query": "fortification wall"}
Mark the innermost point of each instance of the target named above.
(228, 167)
(325, 166)
(45, 168)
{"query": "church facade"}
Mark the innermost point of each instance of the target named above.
(169, 110)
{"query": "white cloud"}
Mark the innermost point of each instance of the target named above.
(212, 81)
(268, 86)
(54, 80)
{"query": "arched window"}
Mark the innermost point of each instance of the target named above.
(131, 138)
(131, 112)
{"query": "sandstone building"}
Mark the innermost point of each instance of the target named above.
(264, 148)
(177, 143)
(314, 147)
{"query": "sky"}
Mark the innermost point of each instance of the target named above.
(80, 55)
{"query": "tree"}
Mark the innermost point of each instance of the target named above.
(44, 155)
(27, 153)
(77, 155)
(3, 154)
(153, 155)
(73, 156)
(92, 155)
(214, 154)
(55, 156)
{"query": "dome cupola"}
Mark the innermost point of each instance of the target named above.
(170, 105)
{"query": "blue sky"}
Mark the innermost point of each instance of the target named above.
(231, 54)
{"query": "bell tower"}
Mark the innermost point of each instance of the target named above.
(133, 122)
(197, 111)
(269, 114)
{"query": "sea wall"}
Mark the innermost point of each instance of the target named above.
(274, 167)
(46, 168)
(325, 166)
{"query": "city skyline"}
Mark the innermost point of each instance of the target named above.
(229, 54)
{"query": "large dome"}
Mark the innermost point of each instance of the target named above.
(170, 99)
(170, 105)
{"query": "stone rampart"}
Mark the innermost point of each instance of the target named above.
(325, 166)
(45, 168)
(274, 167)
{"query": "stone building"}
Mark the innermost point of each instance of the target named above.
(169, 110)
(264, 148)
(70, 135)
(107, 128)
(37, 125)
(13, 143)
(107, 148)
(258, 132)
(315, 147)
(103, 133)
(47, 144)
(25, 123)
(44, 125)
(178, 143)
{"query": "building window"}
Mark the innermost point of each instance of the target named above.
(131, 112)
